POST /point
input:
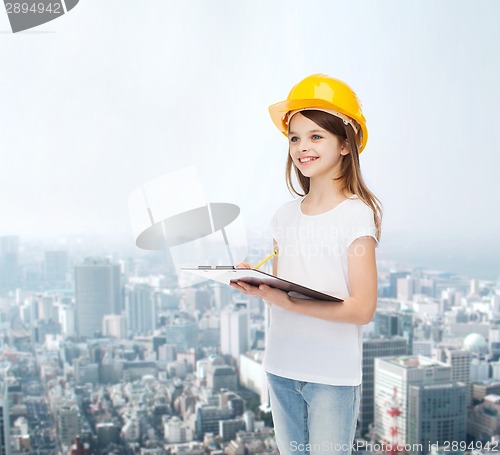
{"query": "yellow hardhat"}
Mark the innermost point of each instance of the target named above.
(326, 94)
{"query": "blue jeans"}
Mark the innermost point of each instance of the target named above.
(312, 418)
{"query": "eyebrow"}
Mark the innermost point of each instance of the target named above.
(311, 131)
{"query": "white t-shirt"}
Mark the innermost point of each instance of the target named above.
(313, 252)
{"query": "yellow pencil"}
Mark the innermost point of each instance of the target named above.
(269, 256)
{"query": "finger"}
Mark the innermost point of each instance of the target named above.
(238, 288)
(244, 285)
(249, 287)
(253, 290)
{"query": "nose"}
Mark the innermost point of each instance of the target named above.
(304, 146)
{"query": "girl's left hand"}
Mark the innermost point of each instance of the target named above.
(271, 296)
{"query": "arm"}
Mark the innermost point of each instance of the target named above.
(358, 308)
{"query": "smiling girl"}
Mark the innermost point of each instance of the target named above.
(326, 240)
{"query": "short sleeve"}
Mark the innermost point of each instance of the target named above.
(360, 223)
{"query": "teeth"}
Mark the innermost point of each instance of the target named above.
(306, 159)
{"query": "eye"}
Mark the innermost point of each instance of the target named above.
(316, 136)
(294, 139)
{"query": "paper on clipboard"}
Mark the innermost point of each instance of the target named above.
(226, 274)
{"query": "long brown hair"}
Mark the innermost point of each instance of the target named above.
(350, 170)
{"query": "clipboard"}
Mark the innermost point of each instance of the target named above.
(226, 274)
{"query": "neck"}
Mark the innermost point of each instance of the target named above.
(324, 189)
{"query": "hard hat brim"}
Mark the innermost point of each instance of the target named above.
(280, 110)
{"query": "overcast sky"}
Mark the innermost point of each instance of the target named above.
(116, 93)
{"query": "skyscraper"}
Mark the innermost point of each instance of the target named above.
(140, 306)
(97, 292)
(68, 423)
(373, 348)
(460, 361)
(234, 331)
(393, 283)
(436, 412)
(4, 420)
(412, 393)
(407, 287)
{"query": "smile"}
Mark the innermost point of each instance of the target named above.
(306, 159)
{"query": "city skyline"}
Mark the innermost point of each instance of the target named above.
(192, 358)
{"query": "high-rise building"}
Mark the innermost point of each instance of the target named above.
(436, 412)
(474, 287)
(4, 419)
(479, 370)
(234, 334)
(97, 293)
(393, 282)
(416, 401)
(140, 307)
(46, 308)
(407, 287)
(9, 262)
(253, 377)
(390, 323)
(67, 318)
(460, 362)
(68, 423)
(373, 348)
(494, 332)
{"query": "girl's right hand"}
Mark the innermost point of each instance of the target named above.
(245, 265)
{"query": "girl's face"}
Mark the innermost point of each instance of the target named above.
(315, 151)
